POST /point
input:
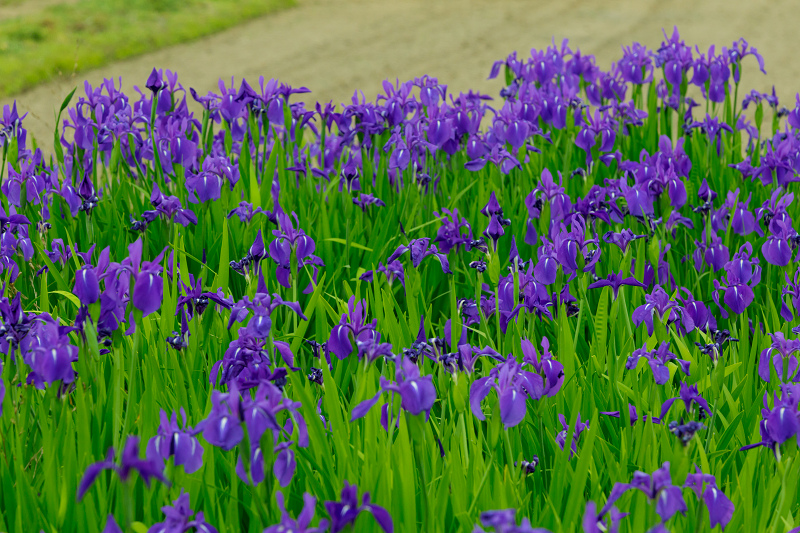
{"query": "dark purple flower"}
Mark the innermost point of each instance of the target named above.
(720, 508)
(449, 235)
(780, 423)
(302, 523)
(685, 432)
(353, 323)
(504, 521)
(345, 511)
(87, 287)
(781, 356)
(553, 370)
(171, 440)
(246, 212)
(633, 416)
(657, 487)
(607, 521)
(658, 360)
(615, 281)
(561, 437)
(365, 200)
(111, 525)
(621, 239)
(743, 273)
(420, 249)
(513, 386)
(148, 289)
(129, 461)
(417, 393)
(690, 396)
(778, 249)
(657, 301)
(178, 518)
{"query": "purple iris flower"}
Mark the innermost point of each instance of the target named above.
(690, 396)
(293, 242)
(720, 508)
(713, 128)
(553, 370)
(546, 268)
(87, 287)
(780, 423)
(716, 254)
(779, 246)
(504, 521)
(775, 209)
(607, 521)
(178, 518)
(195, 300)
(345, 511)
(302, 523)
(657, 487)
(372, 349)
(743, 273)
(561, 438)
(694, 314)
(246, 212)
(743, 221)
(111, 525)
(353, 323)
(170, 207)
(449, 235)
(675, 218)
(494, 230)
(792, 290)
(365, 200)
(417, 393)
(148, 288)
(258, 414)
(633, 415)
(622, 238)
(658, 360)
(392, 271)
(48, 352)
(129, 461)
(657, 301)
(498, 155)
(615, 281)
(781, 356)
(171, 440)
(513, 386)
(420, 249)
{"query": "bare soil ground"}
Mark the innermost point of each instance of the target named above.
(335, 47)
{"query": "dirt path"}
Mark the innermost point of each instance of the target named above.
(337, 46)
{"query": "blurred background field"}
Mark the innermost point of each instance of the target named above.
(44, 39)
(335, 47)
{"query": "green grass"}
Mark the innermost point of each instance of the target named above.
(72, 38)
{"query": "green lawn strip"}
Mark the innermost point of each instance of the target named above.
(76, 37)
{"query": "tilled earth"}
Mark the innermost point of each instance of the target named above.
(335, 47)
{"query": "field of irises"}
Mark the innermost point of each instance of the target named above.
(570, 308)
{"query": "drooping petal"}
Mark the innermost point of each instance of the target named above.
(512, 407)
